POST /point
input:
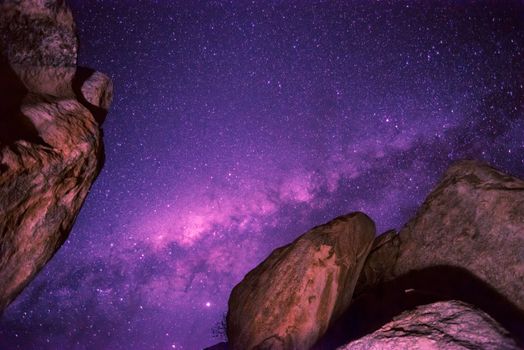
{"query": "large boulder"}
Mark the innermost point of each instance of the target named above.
(291, 298)
(473, 220)
(442, 325)
(51, 146)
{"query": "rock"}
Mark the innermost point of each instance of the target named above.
(97, 89)
(465, 243)
(290, 299)
(51, 147)
(442, 325)
(473, 220)
(38, 40)
(380, 261)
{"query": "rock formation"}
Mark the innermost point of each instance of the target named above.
(379, 262)
(473, 220)
(51, 146)
(451, 325)
(291, 298)
(465, 244)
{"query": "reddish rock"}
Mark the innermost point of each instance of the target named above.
(50, 143)
(290, 299)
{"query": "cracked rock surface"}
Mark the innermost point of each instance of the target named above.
(451, 325)
(51, 147)
(290, 299)
(474, 219)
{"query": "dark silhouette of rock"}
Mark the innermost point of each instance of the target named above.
(442, 325)
(379, 305)
(290, 299)
(474, 220)
(219, 346)
(51, 147)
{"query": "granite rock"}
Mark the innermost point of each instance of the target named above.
(51, 147)
(290, 299)
(449, 325)
(474, 220)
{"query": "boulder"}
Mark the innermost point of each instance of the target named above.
(51, 147)
(380, 261)
(38, 40)
(442, 325)
(473, 220)
(291, 298)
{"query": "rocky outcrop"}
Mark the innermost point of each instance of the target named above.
(380, 261)
(290, 299)
(465, 243)
(473, 220)
(443, 325)
(51, 146)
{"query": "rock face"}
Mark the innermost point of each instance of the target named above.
(38, 32)
(51, 146)
(380, 261)
(442, 325)
(291, 298)
(465, 243)
(473, 220)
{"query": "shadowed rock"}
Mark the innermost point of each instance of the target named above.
(51, 146)
(443, 325)
(380, 261)
(377, 306)
(290, 299)
(465, 243)
(219, 346)
(474, 220)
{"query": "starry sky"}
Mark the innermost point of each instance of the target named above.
(238, 125)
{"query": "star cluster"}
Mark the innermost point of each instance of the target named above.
(237, 126)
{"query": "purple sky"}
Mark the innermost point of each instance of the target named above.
(237, 126)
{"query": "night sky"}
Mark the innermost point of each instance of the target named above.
(236, 126)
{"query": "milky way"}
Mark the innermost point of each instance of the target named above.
(237, 126)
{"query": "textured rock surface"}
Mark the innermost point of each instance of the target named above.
(380, 261)
(37, 37)
(474, 220)
(465, 243)
(97, 90)
(442, 325)
(50, 143)
(38, 33)
(290, 299)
